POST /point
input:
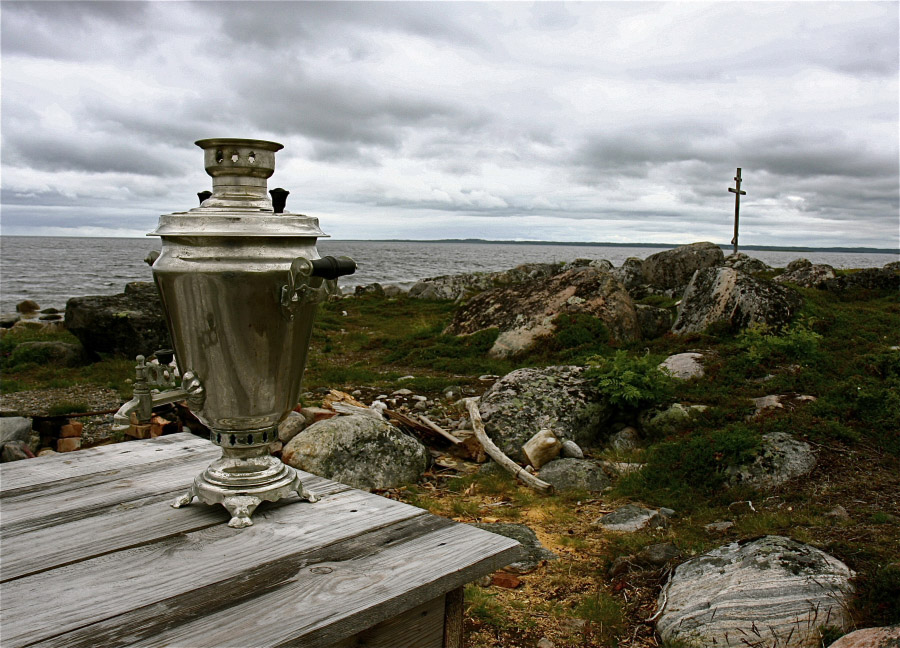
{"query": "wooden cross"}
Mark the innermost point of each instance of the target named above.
(737, 206)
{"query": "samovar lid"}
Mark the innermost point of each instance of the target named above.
(239, 204)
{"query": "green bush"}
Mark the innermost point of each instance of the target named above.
(628, 381)
(696, 464)
(762, 343)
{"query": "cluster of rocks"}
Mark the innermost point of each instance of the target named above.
(29, 315)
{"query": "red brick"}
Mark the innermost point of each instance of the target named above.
(68, 444)
(71, 430)
(316, 414)
(505, 579)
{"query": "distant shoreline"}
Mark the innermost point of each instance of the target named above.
(662, 246)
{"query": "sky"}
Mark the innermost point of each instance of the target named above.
(592, 121)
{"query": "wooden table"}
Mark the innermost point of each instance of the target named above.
(91, 555)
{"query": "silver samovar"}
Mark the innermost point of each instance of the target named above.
(240, 283)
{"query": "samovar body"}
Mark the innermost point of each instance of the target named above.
(222, 298)
(240, 285)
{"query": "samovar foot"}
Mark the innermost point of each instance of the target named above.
(184, 500)
(304, 494)
(241, 508)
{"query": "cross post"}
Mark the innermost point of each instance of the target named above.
(737, 206)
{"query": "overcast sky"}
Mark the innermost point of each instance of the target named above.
(539, 121)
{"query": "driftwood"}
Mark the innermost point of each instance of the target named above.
(541, 448)
(342, 407)
(497, 455)
(439, 430)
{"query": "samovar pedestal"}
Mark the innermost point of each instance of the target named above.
(242, 479)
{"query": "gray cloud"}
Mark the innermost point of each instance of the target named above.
(591, 120)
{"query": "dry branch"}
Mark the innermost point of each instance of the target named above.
(497, 455)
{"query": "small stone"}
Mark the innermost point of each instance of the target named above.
(719, 527)
(356, 393)
(574, 474)
(838, 513)
(421, 406)
(625, 439)
(15, 451)
(14, 428)
(573, 625)
(408, 377)
(421, 399)
(570, 450)
(630, 518)
(291, 426)
(71, 430)
(69, 444)
(683, 365)
(453, 391)
(484, 581)
(885, 637)
(488, 377)
(46, 451)
(401, 392)
(275, 447)
(658, 554)
(543, 642)
(620, 565)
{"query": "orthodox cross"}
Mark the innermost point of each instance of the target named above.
(737, 206)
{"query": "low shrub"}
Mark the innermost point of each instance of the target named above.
(630, 381)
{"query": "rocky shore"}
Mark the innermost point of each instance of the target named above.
(583, 428)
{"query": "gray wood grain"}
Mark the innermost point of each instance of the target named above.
(110, 585)
(94, 556)
(29, 549)
(18, 475)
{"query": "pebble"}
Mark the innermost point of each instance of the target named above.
(719, 527)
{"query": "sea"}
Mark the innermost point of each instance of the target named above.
(50, 270)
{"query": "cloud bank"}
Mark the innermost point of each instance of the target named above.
(548, 121)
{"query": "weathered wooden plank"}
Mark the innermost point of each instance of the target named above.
(421, 627)
(313, 599)
(151, 576)
(61, 505)
(30, 549)
(18, 475)
(202, 456)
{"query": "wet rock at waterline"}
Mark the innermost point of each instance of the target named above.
(775, 590)
(359, 451)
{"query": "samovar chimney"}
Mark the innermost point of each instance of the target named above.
(240, 282)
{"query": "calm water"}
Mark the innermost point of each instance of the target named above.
(51, 270)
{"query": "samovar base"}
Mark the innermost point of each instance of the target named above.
(241, 479)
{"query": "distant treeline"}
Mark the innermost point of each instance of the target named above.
(773, 248)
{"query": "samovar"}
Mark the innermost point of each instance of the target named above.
(240, 283)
